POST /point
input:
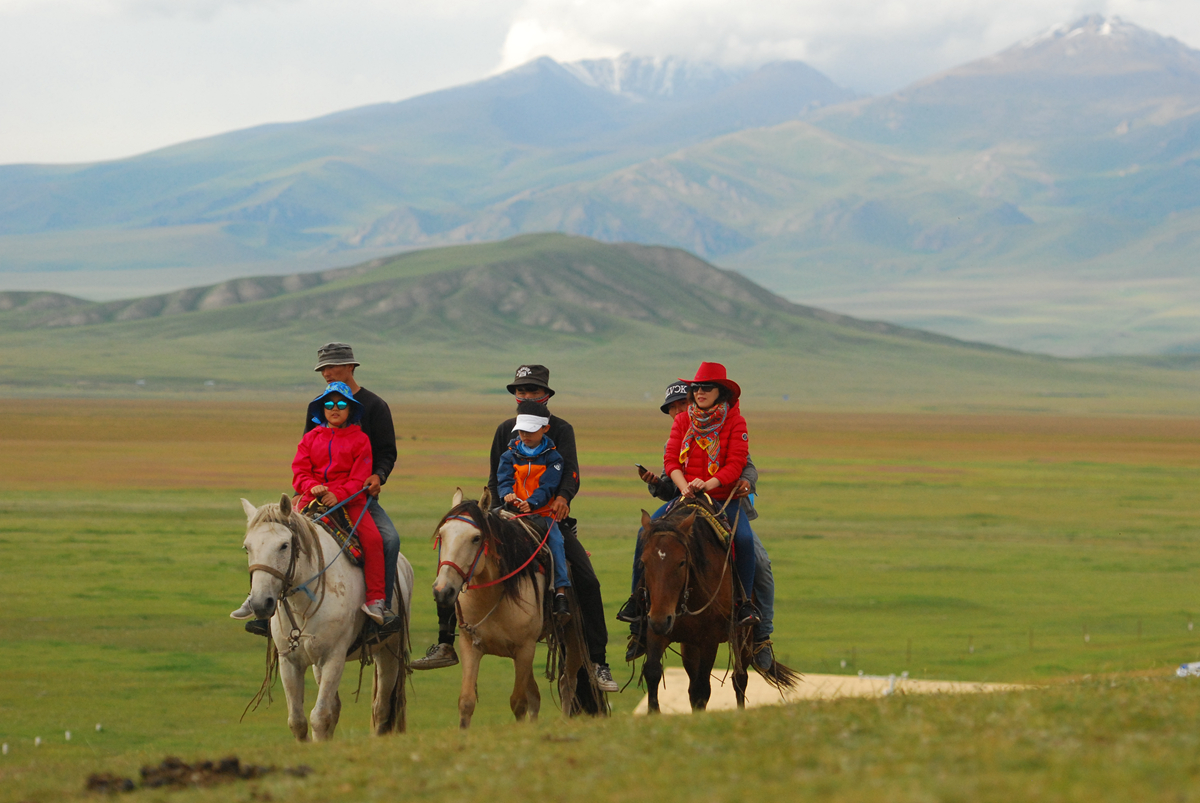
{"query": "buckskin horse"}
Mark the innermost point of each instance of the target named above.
(301, 579)
(689, 581)
(488, 569)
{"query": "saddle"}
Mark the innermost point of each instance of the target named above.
(708, 509)
(338, 525)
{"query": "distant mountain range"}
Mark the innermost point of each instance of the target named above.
(1044, 198)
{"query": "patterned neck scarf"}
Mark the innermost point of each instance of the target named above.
(705, 430)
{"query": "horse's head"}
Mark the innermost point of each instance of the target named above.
(460, 546)
(271, 544)
(665, 556)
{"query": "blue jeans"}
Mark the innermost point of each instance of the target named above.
(555, 542)
(764, 592)
(745, 548)
(391, 545)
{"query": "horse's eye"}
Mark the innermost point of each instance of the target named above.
(283, 547)
(475, 540)
(682, 563)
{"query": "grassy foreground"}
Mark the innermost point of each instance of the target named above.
(1005, 548)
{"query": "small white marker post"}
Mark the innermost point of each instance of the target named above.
(98, 728)
(4, 749)
(37, 741)
(68, 736)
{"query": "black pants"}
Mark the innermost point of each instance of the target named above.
(587, 591)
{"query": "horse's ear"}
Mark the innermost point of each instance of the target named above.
(485, 499)
(456, 500)
(685, 526)
(646, 521)
(250, 509)
(285, 505)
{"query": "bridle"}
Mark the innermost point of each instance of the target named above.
(681, 608)
(479, 553)
(288, 577)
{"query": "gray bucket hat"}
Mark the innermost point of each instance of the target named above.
(335, 354)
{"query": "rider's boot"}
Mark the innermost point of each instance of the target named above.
(746, 614)
(259, 627)
(630, 610)
(764, 655)
(374, 611)
(637, 645)
(244, 612)
(561, 610)
(438, 656)
(604, 679)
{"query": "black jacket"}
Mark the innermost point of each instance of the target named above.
(563, 435)
(377, 424)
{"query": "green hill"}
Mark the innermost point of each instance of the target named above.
(615, 323)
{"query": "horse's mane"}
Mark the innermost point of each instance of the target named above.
(703, 532)
(506, 540)
(303, 529)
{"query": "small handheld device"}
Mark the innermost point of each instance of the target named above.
(639, 465)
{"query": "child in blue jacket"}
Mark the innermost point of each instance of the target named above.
(528, 477)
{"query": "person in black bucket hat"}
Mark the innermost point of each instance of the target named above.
(532, 383)
(336, 363)
(675, 402)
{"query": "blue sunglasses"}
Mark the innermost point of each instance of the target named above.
(340, 405)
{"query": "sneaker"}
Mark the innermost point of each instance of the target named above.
(746, 614)
(392, 624)
(561, 610)
(604, 679)
(636, 648)
(764, 656)
(244, 612)
(629, 611)
(374, 611)
(436, 657)
(259, 627)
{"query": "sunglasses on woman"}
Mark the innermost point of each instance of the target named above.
(339, 405)
(705, 387)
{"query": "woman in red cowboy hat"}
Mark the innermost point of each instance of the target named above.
(707, 452)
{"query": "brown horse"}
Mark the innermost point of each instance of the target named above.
(689, 580)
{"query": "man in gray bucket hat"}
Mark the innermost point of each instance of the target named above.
(336, 363)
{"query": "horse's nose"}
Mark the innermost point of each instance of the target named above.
(662, 626)
(268, 608)
(443, 594)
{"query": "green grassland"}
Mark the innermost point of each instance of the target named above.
(972, 547)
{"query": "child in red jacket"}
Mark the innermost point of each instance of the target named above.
(332, 463)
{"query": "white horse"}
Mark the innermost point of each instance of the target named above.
(498, 616)
(285, 551)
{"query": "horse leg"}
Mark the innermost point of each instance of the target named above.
(533, 698)
(292, 675)
(384, 700)
(329, 705)
(523, 676)
(652, 669)
(470, 677)
(698, 660)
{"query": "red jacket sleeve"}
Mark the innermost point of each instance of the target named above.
(679, 428)
(733, 462)
(360, 451)
(302, 471)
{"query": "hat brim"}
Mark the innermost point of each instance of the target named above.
(729, 384)
(330, 363)
(512, 388)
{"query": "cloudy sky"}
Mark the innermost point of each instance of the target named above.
(99, 79)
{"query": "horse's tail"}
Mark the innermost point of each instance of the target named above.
(779, 676)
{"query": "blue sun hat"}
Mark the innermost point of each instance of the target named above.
(316, 407)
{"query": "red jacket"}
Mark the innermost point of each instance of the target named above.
(735, 448)
(339, 459)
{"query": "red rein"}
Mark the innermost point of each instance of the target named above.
(466, 576)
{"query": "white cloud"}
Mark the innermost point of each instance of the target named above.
(867, 44)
